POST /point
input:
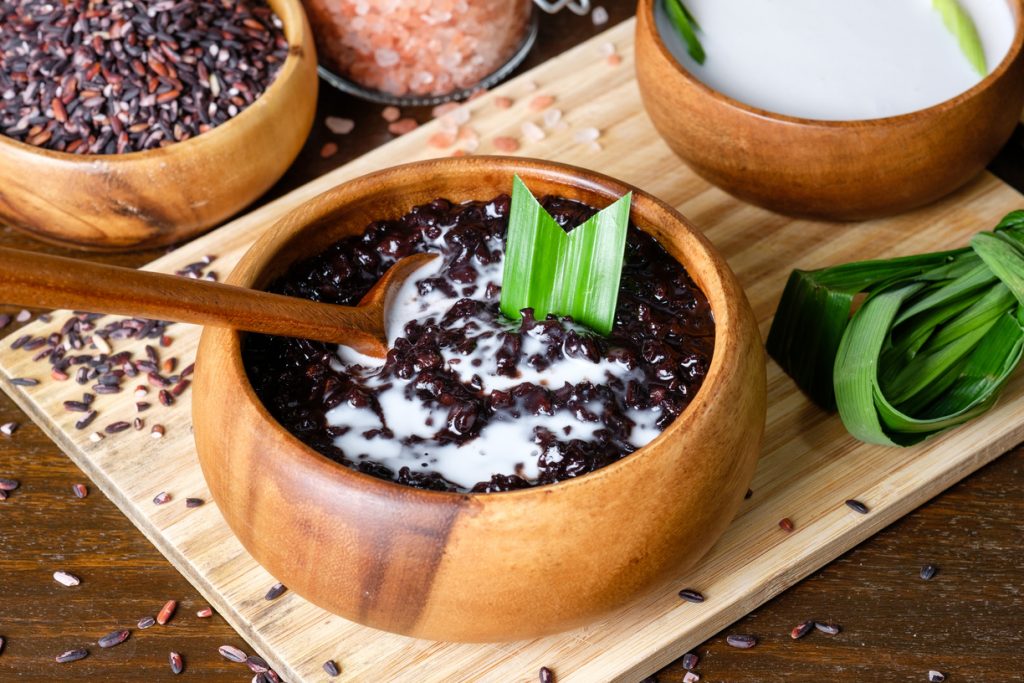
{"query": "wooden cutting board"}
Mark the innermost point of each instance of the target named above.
(808, 469)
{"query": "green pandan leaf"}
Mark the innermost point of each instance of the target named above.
(934, 341)
(687, 27)
(960, 24)
(575, 273)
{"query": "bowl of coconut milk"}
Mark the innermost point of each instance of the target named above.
(832, 109)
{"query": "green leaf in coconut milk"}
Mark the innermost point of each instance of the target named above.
(960, 24)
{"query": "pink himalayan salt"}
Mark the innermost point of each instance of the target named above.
(454, 117)
(502, 102)
(328, 150)
(444, 109)
(504, 143)
(541, 102)
(417, 47)
(391, 114)
(614, 60)
(339, 126)
(533, 132)
(469, 138)
(441, 140)
(403, 126)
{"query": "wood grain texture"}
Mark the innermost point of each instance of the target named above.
(125, 201)
(841, 170)
(983, 541)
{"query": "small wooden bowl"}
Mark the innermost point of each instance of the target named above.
(138, 200)
(837, 170)
(480, 567)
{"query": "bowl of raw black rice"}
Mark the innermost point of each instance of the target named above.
(491, 479)
(128, 124)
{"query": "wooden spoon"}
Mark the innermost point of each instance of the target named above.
(42, 281)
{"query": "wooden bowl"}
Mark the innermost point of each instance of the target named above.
(480, 567)
(138, 200)
(839, 170)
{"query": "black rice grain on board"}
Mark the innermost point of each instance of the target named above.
(116, 76)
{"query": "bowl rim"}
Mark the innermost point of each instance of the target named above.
(297, 33)
(646, 9)
(719, 278)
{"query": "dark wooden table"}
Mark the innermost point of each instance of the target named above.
(967, 622)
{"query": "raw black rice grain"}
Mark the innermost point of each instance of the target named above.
(691, 595)
(331, 668)
(857, 506)
(257, 664)
(115, 427)
(114, 638)
(231, 653)
(743, 642)
(72, 655)
(66, 579)
(166, 612)
(111, 77)
(827, 628)
(87, 420)
(801, 630)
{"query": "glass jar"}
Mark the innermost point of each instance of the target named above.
(419, 51)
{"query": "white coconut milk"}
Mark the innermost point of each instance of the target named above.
(837, 59)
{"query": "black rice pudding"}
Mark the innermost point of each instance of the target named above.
(468, 400)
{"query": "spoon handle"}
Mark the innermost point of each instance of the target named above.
(44, 281)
